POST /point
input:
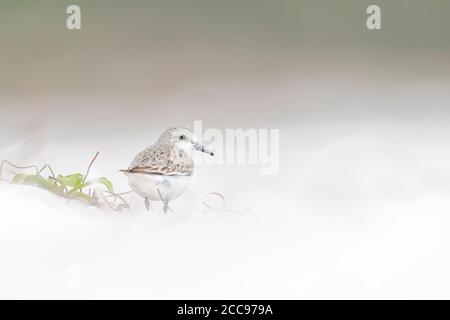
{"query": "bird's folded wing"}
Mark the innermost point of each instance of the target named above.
(165, 170)
(162, 160)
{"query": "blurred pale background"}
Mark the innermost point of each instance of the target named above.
(360, 205)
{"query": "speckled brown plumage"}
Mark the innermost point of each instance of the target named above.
(165, 159)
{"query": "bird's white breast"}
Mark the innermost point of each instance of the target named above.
(147, 185)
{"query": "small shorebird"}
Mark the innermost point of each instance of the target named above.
(162, 172)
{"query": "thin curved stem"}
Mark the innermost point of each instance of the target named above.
(89, 168)
(16, 166)
(118, 195)
(214, 194)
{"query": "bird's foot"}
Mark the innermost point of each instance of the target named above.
(166, 207)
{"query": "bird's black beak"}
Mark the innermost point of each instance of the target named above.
(201, 148)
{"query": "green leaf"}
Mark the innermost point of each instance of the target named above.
(73, 180)
(104, 181)
(81, 196)
(19, 178)
(38, 180)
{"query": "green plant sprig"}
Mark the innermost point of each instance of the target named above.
(69, 186)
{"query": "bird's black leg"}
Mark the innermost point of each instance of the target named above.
(165, 202)
(166, 207)
(147, 204)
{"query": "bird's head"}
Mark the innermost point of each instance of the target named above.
(184, 138)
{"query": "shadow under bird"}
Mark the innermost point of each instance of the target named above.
(163, 171)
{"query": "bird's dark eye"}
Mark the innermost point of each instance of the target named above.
(182, 137)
